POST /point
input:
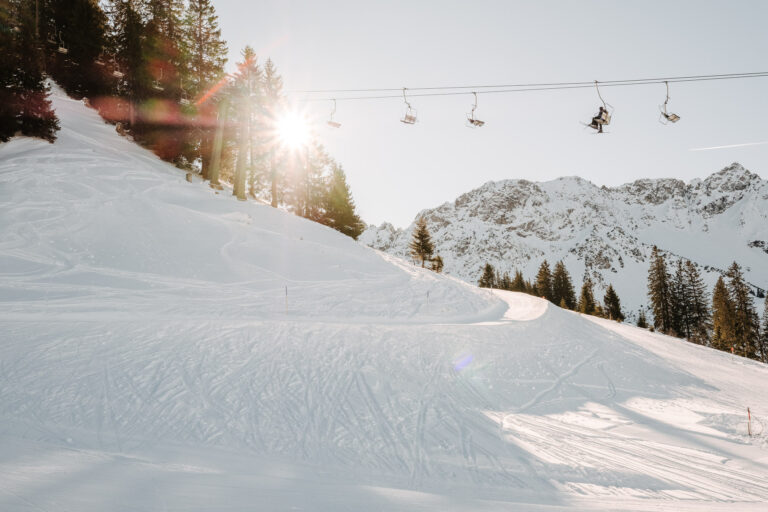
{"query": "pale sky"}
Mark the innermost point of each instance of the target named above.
(396, 170)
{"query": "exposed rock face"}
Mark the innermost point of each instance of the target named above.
(601, 232)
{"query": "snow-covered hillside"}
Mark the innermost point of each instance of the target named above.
(605, 233)
(150, 359)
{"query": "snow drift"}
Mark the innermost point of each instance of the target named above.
(152, 360)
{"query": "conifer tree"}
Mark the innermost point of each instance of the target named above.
(699, 318)
(436, 264)
(505, 283)
(612, 305)
(723, 337)
(421, 243)
(125, 46)
(562, 287)
(24, 96)
(518, 283)
(488, 279)
(744, 315)
(544, 281)
(80, 27)
(641, 320)
(273, 90)
(206, 57)
(10, 25)
(340, 207)
(659, 292)
(679, 303)
(587, 303)
(206, 50)
(764, 335)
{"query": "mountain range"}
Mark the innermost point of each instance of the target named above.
(604, 233)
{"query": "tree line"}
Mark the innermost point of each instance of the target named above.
(156, 68)
(681, 307)
(556, 286)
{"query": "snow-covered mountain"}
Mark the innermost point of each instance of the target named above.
(165, 347)
(605, 233)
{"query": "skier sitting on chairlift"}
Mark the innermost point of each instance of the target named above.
(598, 120)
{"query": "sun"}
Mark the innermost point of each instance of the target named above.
(293, 130)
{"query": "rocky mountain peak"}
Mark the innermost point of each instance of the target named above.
(602, 233)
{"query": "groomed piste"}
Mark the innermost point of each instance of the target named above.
(165, 347)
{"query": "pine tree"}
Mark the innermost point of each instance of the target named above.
(125, 46)
(340, 207)
(587, 303)
(544, 281)
(562, 287)
(518, 283)
(488, 279)
(764, 335)
(679, 303)
(24, 96)
(613, 305)
(699, 318)
(10, 26)
(206, 50)
(244, 89)
(80, 27)
(744, 315)
(421, 242)
(206, 57)
(723, 337)
(641, 320)
(505, 283)
(659, 292)
(437, 264)
(273, 90)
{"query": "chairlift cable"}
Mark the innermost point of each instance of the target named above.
(544, 84)
(533, 87)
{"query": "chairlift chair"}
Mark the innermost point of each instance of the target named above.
(116, 71)
(603, 117)
(62, 47)
(331, 122)
(52, 36)
(184, 100)
(156, 82)
(667, 117)
(471, 119)
(410, 114)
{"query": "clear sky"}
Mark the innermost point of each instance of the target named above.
(396, 170)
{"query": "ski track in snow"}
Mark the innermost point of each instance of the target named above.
(150, 360)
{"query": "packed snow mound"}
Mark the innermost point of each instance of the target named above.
(96, 223)
(150, 360)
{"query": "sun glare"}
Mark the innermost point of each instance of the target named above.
(293, 130)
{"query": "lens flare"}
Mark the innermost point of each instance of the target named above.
(293, 130)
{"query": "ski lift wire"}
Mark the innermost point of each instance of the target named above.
(543, 84)
(547, 87)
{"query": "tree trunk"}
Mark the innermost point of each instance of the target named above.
(273, 177)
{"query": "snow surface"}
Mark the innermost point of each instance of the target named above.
(150, 359)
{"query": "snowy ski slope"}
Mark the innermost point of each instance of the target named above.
(150, 359)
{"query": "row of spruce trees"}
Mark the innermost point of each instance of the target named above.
(157, 69)
(556, 286)
(680, 305)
